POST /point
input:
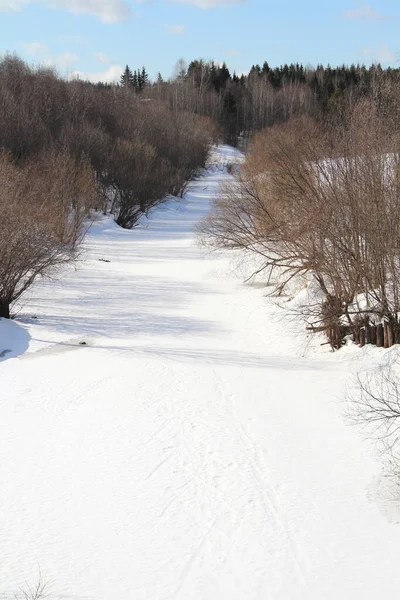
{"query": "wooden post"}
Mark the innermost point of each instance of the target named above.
(386, 334)
(373, 334)
(362, 337)
(394, 329)
(379, 335)
(390, 334)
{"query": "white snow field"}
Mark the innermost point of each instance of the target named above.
(195, 448)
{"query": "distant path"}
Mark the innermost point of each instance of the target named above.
(191, 450)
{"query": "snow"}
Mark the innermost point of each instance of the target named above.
(196, 446)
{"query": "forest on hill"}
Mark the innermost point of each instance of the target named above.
(266, 95)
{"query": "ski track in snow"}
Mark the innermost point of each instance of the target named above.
(195, 448)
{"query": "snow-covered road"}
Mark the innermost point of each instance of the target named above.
(194, 449)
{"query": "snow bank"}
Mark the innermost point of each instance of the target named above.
(194, 448)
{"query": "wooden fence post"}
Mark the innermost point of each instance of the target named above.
(390, 334)
(379, 335)
(386, 334)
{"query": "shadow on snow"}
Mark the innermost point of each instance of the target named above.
(14, 339)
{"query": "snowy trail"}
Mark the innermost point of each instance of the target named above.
(193, 449)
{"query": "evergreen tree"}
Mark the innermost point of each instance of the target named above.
(244, 103)
(266, 68)
(223, 75)
(230, 118)
(126, 80)
(145, 77)
(141, 79)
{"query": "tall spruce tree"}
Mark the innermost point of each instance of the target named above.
(126, 80)
(141, 78)
(145, 77)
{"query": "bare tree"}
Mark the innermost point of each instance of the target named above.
(154, 140)
(321, 198)
(39, 591)
(43, 208)
(374, 406)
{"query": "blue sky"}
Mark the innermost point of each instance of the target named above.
(97, 38)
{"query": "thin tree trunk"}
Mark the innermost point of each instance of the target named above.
(4, 309)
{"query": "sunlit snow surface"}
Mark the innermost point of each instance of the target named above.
(195, 447)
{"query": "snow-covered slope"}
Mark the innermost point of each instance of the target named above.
(193, 448)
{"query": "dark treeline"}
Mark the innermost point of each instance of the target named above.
(266, 96)
(136, 80)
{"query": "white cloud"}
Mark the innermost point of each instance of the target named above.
(61, 62)
(365, 13)
(6, 6)
(103, 58)
(35, 48)
(77, 75)
(65, 60)
(111, 75)
(11, 5)
(108, 11)
(381, 54)
(42, 55)
(210, 3)
(175, 29)
(232, 52)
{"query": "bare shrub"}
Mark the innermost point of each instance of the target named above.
(156, 153)
(43, 207)
(374, 406)
(322, 198)
(139, 177)
(38, 591)
(259, 210)
(139, 149)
